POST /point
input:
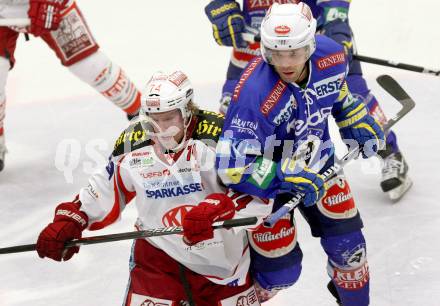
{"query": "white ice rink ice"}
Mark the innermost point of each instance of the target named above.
(51, 116)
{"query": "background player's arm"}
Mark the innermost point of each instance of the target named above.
(333, 22)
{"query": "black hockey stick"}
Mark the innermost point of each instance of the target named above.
(252, 38)
(172, 230)
(394, 64)
(395, 90)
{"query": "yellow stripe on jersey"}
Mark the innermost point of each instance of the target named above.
(234, 175)
(343, 92)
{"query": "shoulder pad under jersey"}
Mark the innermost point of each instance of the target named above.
(209, 127)
(329, 55)
(132, 138)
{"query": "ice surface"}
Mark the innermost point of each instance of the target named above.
(50, 113)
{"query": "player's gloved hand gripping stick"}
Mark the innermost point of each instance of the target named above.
(162, 231)
(395, 90)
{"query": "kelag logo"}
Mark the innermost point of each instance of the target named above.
(175, 216)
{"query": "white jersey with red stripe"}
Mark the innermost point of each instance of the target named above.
(165, 186)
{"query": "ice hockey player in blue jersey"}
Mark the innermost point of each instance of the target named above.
(230, 22)
(275, 142)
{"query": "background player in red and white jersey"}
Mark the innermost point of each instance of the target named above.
(165, 161)
(62, 26)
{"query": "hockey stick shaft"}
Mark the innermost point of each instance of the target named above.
(251, 38)
(163, 231)
(394, 64)
(297, 198)
(14, 22)
(399, 94)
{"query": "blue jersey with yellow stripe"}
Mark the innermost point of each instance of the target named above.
(269, 119)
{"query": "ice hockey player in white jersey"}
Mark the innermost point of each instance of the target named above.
(165, 162)
(61, 25)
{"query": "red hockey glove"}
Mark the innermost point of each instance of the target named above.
(67, 225)
(45, 15)
(197, 224)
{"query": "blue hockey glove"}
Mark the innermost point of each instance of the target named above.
(303, 180)
(358, 127)
(227, 22)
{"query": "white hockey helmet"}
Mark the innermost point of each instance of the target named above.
(288, 27)
(165, 92)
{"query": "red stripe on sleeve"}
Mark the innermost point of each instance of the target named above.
(116, 209)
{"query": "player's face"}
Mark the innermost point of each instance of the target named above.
(290, 63)
(169, 127)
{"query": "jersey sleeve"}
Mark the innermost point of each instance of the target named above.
(333, 22)
(247, 205)
(108, 192)
(242, 162)
(344, 100)
(333, 9)
(111, 188)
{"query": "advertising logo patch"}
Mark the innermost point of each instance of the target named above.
(143, 300)
(244, 126)
(276, 241)
(175, 216)
(331, 60)
(282, 30)
(329, 85)
(273, 98)
(352, 279)
(246, 298)
(286, 112)
(244, 76)
(338, 203)
(174, 191)
(265, 4)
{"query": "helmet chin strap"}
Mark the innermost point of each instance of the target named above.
(185, 129)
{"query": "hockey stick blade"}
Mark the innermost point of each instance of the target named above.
(172, 230)
(398, 93)
(395, 90)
